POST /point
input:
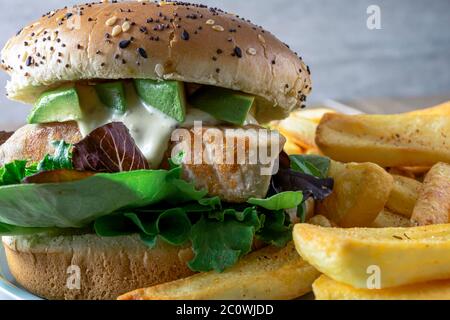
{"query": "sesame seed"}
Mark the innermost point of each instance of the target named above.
(116, 31)
(218, 28)
(210, 22)
(238, 52)
(261, 38)
(111, 21)
(185, 35)
(142, 53)
(126, 26)
(29, 61)
(124, 44)
(159, 69)
(251, 51)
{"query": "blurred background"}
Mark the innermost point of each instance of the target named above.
(404, 65)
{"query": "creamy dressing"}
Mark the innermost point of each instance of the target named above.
(150, 128)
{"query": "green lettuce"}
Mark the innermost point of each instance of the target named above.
(61, 159)
(12, 173)
(313, 165)
(156, 204)
(59, 205)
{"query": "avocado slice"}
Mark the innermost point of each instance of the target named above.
(58, 105)
(166, 96)
(223, 104)
(112, 95)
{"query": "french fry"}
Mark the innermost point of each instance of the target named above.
(267, 274)
(403, 196)
(328, 289)
(433, 205)
(387, 140)
(292, 148)
(359, 195)
(314, 115)
(442, 109)
(388, 219)
(320, 220)
(401, 255)
(299, 130)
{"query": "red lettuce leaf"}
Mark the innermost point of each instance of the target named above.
(288, 179)
(4, 136)
(108, 149)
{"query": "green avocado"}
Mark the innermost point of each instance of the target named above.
(112, 95)
(58, 105)
(223, 104)
(166, 96)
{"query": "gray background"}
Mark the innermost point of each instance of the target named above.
(409, 57)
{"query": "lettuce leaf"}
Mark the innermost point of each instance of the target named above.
(109, 148)
(218, 245)
(10, 230)
(277, 229)
(61, 159)
(313, 165)
(280, 201)
(12, 173)
(59, 205)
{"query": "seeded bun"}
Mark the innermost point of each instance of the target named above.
(108, 267)
(177, 41)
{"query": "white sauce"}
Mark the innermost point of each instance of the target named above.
(150, 128)
(193, 114)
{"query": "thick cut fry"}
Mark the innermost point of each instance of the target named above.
(442, 109)
(314, 115)
(403, 196)
(267, 274)
(401, 255)
(359, 195)
(320, 220)
(292, 148)
(388, 219)
(433, 205)
(387, 140)
(299, 130)
(328, 289)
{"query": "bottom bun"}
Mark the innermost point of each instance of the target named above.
(89, 267)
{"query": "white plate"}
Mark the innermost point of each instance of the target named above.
(10, 290)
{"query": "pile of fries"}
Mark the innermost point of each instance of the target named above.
(384, 233)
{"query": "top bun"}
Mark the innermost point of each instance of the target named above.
(166, 40)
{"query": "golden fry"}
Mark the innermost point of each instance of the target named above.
(360, 194)
(301, 131)
(433, 205)
(403, 196)
(320, 220)
(267, 274)
(442, 109)
(388, 219)
(387, 140)
(328, 289)
(400, 256)
(292, 148)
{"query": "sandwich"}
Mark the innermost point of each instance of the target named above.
(146, 156)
